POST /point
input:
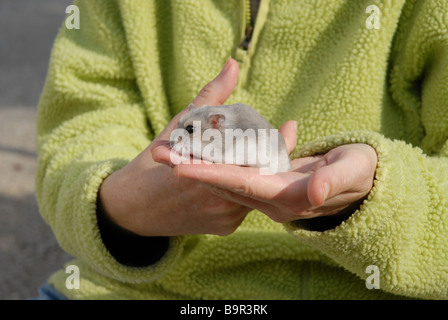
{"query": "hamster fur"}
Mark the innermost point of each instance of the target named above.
(255, 133)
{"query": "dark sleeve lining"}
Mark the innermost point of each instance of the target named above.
(129, 248)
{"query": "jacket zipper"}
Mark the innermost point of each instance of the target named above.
(249, 26)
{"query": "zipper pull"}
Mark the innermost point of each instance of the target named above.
(247, 36)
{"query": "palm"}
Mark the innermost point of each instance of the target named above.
(300, 193)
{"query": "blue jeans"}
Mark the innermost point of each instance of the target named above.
(48, 292)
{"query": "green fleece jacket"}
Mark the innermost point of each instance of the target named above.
(116, 82)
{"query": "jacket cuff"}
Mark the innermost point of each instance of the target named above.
(346, 240)
(92, 249)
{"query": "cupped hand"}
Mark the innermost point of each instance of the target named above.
(145, 197)
(315, 186)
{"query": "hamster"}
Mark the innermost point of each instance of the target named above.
(231, 134)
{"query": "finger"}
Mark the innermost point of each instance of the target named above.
(161, 152)
(246, 181)
(329, 181)
(306, 164)
(240, 199)
(219, 89)
(289, 132)
(224, 176)
(214, 93)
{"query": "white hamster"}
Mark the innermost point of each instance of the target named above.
(232, 134)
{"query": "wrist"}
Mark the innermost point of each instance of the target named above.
(110, 200)
(126, 247)
(140, 196)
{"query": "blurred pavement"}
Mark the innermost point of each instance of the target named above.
(29, 252)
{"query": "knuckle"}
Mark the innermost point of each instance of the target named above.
(226, 231)
(278, 216)
(230, 223)
(219, 192)
(247, 186)
(279, 219)
(206, 91)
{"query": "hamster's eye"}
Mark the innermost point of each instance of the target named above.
(190, 129)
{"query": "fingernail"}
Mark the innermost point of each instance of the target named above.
(226, 65)
(296, 124)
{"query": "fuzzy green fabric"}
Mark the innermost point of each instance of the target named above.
(116, 82)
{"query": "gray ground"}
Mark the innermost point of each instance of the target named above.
(29, 252)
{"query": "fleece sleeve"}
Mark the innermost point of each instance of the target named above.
(402, 227)
(92, 120)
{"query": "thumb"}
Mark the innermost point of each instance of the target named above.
(219, 89)
(289, 132)
(330, 180)
(214, 93)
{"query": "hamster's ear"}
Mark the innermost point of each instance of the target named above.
(215, 120)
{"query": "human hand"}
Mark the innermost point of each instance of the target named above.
(315, 186)
(145, 198)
